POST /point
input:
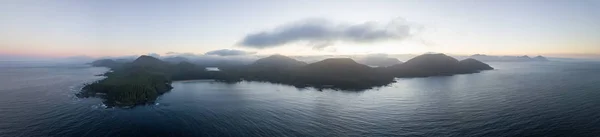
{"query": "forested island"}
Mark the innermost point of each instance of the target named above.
(144, 79)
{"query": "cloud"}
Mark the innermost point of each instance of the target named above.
(156, 55)
(210, 60)
(376, 55)
(229, 52)
(321, 33)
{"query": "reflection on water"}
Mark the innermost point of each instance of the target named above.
(517, 99)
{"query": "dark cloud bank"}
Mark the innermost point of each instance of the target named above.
(320, 33)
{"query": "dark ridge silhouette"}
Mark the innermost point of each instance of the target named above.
(341, 73)
(379, 61)
(274, 68)
(435, 65)
(540, 58)
(426, 65)
(278, 61)
(473, 65)
(524, 58)
(148, 61)
(431, 62)
(336, 63)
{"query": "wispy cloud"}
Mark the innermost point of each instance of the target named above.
(321, 33)
(229, 52)
(215, 57)
(156, 55)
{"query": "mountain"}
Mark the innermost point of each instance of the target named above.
(431, 62)
(341, 73)
(145, 60)
(474, 65)
(379, 61)
(540, 58)
(336, 63)
(337, 73)
(524, 58)
(274, 68)
(345, 73)
(436, 65)
(149, 63)
(335, 67)
(277, 61)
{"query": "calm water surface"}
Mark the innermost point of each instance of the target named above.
(517, 99)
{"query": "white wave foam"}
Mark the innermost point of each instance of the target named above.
(99, 106)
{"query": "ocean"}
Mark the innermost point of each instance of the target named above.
(517, 99)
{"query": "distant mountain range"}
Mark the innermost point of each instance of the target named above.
(373, 60)
(487, 58)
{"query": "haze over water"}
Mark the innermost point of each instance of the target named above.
(516, 99)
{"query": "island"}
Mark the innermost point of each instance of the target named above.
(524, 58)
(143, 80)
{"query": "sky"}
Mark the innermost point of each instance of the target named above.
(63, 28)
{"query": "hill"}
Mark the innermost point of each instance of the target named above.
(336, 73)
(473, 65)
(149, 62)
(540, 58)
(277, 61)
(379, 61)
(274, 68)
(341, 73)
(436, 65)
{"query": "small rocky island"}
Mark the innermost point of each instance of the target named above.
(144, 79)
(523, 58)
